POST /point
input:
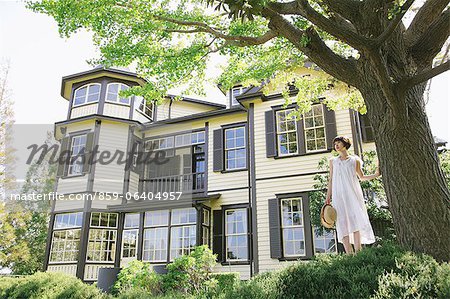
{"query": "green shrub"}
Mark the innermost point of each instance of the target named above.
(415, 276)
(47, 285)
(191, 274)
(378, 272)
(138, 275)
(226, 281)
(137, 293)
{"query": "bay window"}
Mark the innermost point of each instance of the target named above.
(77, 151)
(130, 235)
(112, 93)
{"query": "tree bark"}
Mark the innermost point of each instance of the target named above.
(418, 197)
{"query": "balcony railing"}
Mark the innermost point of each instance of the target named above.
(188, 183)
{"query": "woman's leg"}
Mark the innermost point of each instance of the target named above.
(348, 247)
(357, 238)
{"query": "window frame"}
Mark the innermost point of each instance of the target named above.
(71, 163)
(122, 249)
(118, 98)
(143, 102)
(226, 150)
(278, 133)
(233, 101)
(305, 129)
(283, 227)
(85, 101)
(72, 229)
(246, 234)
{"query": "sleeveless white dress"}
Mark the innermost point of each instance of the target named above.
(348, 200)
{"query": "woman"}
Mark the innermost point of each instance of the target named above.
(352, 225)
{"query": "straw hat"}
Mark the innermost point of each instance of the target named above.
(328, 216)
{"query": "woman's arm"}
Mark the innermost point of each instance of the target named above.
(361, 175)
(328, 200)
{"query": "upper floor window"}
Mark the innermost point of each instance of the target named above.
(87, 94)
(145, 107)
(315, 129)
(112, 93)
(236, 91)
(78, 146)
(286, 132)
(235, 152)
(292, 227)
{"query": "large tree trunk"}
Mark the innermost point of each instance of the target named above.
(417, 194)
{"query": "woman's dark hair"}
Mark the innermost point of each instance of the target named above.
(344, 139)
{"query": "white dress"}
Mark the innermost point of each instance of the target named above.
(348, 200)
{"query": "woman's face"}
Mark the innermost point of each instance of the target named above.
(339, 146)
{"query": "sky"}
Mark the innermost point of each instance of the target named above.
(39, 58)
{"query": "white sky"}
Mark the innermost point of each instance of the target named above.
(39, 58)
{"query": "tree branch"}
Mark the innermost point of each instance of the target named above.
(339, 67)
(237, 40)
(302, 8)
(393, 25)
(348, 9)
(426, 75)
(426, 15)
(431, 41)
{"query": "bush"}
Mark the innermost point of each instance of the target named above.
(47, 285)
(225, 281)
(191, 274)
(415, 276)
(383, 272)
(138, 275)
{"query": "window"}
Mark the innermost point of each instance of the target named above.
(130, 235)
(102, 237)
(286, 132)
(182, 238)
(156, 237)
(235, 152)
(112, 93)
(315, 129)
(206, 220)
(68, 220)
(77, 151)
(145, 107)
(236, 235)
(131, 220)
(87, 94)
(189, 139)
(66, 242)
(234, 93)
(324, 243)
(293, 232)
(65, 245)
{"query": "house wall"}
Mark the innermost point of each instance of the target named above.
(84, 110)
(116, 110)
(110, 177)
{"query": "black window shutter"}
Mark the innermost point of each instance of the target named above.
(366, 128)
(330, 126)
(62, 162)
(275, 229)
(271, 148)
(301, 137)
(218, 237)
(218, 150)
(88, 152)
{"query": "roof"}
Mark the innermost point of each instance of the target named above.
(194, 116)
(197, 101)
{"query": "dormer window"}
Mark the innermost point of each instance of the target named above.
(145, 107)
(87, 94)
(235, 91)
(112, 93)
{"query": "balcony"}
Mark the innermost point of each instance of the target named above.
(186, 183)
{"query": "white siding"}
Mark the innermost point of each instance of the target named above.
(69, 269)
(218, 180)
(243, 270)
(68, 204)
(115, 110)
(134, 183)
(110, 177)
(72, 185)
(182, 108)
(84, 110)
(137, 115)
(91, 271)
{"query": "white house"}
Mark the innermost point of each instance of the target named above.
(244, 170)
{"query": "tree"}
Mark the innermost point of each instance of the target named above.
(24, 224)
(364, 44)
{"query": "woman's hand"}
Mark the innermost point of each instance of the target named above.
(328, 200)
